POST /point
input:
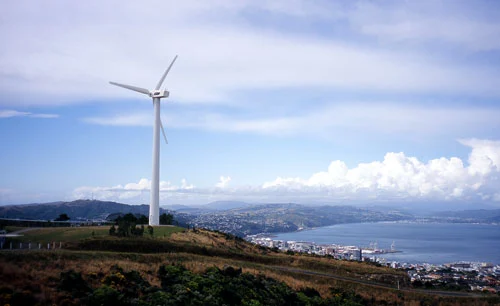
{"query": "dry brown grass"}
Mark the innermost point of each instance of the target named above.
(41, 275)
(212, 239)
(40, 270)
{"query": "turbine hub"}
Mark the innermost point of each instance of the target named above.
(159, 94)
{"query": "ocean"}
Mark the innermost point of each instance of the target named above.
(435, 243)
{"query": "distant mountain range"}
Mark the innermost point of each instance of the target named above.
(210, 207)
(242, 218)
(480, 215)
(272, 218)
(79, 209)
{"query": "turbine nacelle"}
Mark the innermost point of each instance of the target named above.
(159, 94)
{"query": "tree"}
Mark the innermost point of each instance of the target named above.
(127, 226)
(112, 230)
(150, 230)
(143, 220)
(166, 219)
(130, 218)
(62, 217)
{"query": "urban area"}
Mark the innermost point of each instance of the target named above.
(476, 276)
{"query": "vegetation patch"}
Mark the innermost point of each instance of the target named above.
(62, 234)
(197, 267)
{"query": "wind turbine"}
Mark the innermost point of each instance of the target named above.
(156, 94)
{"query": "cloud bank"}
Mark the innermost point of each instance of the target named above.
(226, 47)
(397, 177)
(14, 113)
(381, 118)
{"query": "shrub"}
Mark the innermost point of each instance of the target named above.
(73, 282)
(105, 295)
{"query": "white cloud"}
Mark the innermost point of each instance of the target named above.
(396, 177)
(451, 22)
(496, 197)
(14, 113)
(382, 118)
(485, 156)
(133, 119)
(400, 176)
(45, 116)
(132, 191)
(223, 182)
(221, 52)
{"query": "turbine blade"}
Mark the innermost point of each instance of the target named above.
(165, 74)
(163, 132)
(134, 88)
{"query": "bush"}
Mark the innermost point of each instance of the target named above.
(73, 283)
(105, 295)
(179, 286)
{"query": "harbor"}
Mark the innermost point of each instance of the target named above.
(338, 251)
(373, 249)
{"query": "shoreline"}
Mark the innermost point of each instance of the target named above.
(440, 243)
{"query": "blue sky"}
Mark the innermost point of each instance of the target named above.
(271, 101)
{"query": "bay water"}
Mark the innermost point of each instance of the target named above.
(435, 243)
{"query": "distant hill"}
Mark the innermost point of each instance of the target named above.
(480, 215)
(242, 218)
(188, 209)
(226, 205)
(430, 208)
(83, 209)
(178, 207)
(210, 207)
(273, 218)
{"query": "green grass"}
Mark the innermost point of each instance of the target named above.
(11, 229)
(73, 234)
(165, 231)
(62, 234)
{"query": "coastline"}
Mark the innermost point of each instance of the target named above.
(433, 242)
(417, 221)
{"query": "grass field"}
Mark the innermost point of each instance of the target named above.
(165, 230)
(39, 269)
(73, 234)
(198, 250)
(11, 229)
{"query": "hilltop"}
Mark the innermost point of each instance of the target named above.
(193, 265)
(82, 209)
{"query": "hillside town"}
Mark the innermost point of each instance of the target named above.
(473, 276)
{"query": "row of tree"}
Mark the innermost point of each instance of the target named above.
(165, 219)
(127, 225)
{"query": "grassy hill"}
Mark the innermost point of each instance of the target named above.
(86, 209)
(197, 267)
(76, 234)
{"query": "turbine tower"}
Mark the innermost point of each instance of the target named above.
(156, 94)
